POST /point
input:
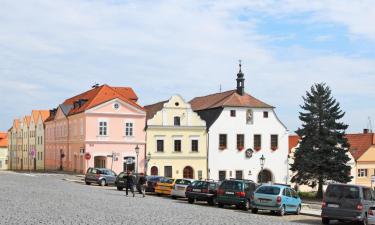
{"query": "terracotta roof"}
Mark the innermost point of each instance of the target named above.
(293, 142)
(3, 139)
(359, 143)
(227, 99)
(127, 92)
(27, 119)
(99, 95)
(16, 123)
(35, 115)
(44, 114)
(151, 110)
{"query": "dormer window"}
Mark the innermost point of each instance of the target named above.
(265, 114)
(233, 113)
(177, 121)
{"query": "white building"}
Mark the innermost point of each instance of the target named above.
(241, 129)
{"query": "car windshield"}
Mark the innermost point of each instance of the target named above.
(232, 185)
(167, 181)
(183, 181)
(346, 192)
(268, 190)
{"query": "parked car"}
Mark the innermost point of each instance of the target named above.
(121, 181)
(371, 215)
(100, 176)
(236, 192)
(276, 198)
(151, 183)
(165, 186)
(202, 191)
(179, 188)
(347, 203)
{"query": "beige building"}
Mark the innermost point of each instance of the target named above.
(4, 158)
(176, 140)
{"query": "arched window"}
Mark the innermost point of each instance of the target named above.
(154, 171)
(265, 177)
(188, 172)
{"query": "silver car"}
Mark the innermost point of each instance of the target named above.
(180, 188)
(100, 176)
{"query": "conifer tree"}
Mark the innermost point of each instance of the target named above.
(322, 152)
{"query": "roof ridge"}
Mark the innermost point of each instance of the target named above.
(221, 99)
(83, 93)
(214, 94)
(156, 103)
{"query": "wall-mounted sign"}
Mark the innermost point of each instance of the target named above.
(249, 153)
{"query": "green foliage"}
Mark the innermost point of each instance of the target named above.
(322, 152)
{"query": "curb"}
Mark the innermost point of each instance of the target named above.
(310, 214)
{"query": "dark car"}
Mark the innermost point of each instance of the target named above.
(202, 191)
(100, 176)
(121, 181)
(236, 192)
(347, 203)
(151, 183)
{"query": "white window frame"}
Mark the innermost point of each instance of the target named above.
(129, 130)
(102, 126)
(362, 172)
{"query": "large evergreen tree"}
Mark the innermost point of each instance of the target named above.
(322, 152)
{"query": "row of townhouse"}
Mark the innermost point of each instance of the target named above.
(361, 154)
(217, 136)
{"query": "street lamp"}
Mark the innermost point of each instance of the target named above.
(262, 161)
(148, 158)
(136, 152)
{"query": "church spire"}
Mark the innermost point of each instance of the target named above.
(240, 81)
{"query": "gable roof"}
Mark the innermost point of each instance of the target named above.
(359, 143)
(227, 99)
(3, 139)
(151, 110)
(99, 95)
(27, 119)
(16, 123)
(44, 114)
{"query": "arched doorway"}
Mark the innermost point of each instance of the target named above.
(188, 172)
(265, 177)
(100, 161)
(154, 171)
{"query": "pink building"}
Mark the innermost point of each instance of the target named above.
(104, 121)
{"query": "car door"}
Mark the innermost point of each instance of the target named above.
(294, 200)
(286, 199)
(367, 199)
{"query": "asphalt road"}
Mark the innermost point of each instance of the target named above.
(48, 199)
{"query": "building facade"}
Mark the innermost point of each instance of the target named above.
(176, 140)
(242, 129)
(105, 122)
(4, 153)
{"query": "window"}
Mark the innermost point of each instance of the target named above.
(222, 175)
(194, 145)
(362, 172)
(249, 116)
(265, 114)
(160, 145)
(177, 121)
(128, 129)
(239, 174)
(274, 141)
(233, 113)
(366, 193)
(240, 141)
(103, 128)
(222, 141)
(168, 171)
(200, 174)
(41, 139)
(257, 142)
(177, 145)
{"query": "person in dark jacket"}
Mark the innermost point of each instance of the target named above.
(130, 183)
(142, 183)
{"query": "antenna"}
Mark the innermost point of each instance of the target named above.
(220, 88)
(95, 85)
(369, 125)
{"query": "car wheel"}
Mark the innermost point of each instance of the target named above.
(191, 200)
(365, 221)
(254, 210)
(103, 183)
(174, 197)
(325, 221)
(88, 183)
(221, 205)
(282, 211)
(298, 211)
(246, 206)
(120, 188)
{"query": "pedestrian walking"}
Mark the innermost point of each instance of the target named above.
(129, 183)
(142, 183)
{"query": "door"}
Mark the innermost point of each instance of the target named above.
(286, 201)
(294, 200)
(367, 199)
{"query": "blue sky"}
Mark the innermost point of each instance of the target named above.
(51, 50)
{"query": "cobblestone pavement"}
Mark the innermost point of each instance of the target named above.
(48, 199)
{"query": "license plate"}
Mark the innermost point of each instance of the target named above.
(229, 193)
(333, 205)
(181, 188)
(264, 200)
(197, 190)
(121, 181)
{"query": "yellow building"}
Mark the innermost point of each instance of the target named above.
(176, 140)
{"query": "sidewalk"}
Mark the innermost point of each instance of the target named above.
(311, 209)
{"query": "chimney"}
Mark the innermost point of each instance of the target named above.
(366, 131)
(240, 82)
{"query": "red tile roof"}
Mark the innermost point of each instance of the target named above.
(227, 99)
(359, 143)
(27, 119)
(35, 115)
(16, 123)
(3, 139)
(44, 114)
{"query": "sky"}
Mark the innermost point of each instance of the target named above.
(52, 50)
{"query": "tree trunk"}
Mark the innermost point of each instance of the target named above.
(319, 195)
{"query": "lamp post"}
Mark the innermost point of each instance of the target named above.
(148, 158)
(262, 161)
(136, 152)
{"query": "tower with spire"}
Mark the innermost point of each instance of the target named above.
(240, 81)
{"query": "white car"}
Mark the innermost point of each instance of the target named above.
(179, 188)
(371, 215)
